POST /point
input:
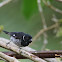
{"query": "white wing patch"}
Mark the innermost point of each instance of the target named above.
(23, 37)
(13, 34)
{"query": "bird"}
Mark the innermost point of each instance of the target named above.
(20, 39)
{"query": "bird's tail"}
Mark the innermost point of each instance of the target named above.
(5, 32)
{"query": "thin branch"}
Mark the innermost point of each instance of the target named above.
(42, 31)
(3, 59)
(44, 23)
(56, 21)
(52, 7)
(59, 0)
(41, 54)
(8, 58)
(19, 51)
(4, 2)
(50, 59)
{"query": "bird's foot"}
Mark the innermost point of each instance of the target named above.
(7, 43)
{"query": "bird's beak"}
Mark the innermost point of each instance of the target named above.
(30, 40)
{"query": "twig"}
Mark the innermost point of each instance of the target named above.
(44, 24)
(3, 59)
(56, 21)
(19, 51)
(43, 30)
(8, 58)
(52, 7)
(41, 54)
(52, 60)
(41, 13)
(59, 0)
(52, 56)
(4, 2)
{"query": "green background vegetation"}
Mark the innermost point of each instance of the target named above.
(22, 16)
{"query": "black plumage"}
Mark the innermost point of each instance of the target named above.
(20, 38)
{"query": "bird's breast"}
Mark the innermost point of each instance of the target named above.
(16, 41)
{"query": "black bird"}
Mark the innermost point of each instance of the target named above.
(21, 39)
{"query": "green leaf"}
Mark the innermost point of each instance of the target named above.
(29, 7)
(59, 33)
(1, 28)
(42, 4)
(49, 0)
(1, 0)
(60, 21)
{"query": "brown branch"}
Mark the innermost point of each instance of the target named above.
(43, 30)
(41, 54)
(8, 58)
(43, 22)
(19, 51)
(59, 0)
(52, 7)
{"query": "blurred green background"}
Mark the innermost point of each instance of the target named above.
(19, 16)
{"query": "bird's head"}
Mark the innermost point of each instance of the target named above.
(27, 38)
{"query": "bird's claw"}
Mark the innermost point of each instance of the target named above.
(7, 43)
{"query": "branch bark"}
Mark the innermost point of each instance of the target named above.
(8, 58)
(43, 30)
(48, 4)
(41, 54)
(19, 51)
(4, 2)
(59, 0)
(43, 22)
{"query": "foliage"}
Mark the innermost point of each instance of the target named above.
(1, 0)
(29, 7)
(13, 20)
(59, 33)
(1, 28)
